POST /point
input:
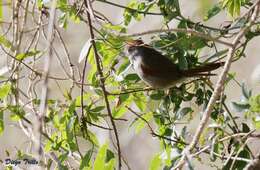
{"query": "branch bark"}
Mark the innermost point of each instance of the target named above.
(102, 82)
(218, 88)
(44, 96)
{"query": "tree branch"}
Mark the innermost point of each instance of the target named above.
(102, 82)
(218, 88)
(128, 8)
(44, 96)
(187, 31)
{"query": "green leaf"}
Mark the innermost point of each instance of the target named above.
(110, 155)
(254, 103)
(230, 76)
(63, 157)
(132, 77)
(91, 60)
(169, 8)
(240, 107)
(183, 63)
(183, 112)
(98, 109)
(256, 122)
(212, 12)
(129, 14)
(86, 159)
(5, 42)
(217, 147)
(39, 4)
(48, 146)
(123, 66)
(63, 20)
(99, 163)
(238, 165)
(1, 122)
(86, 96)
(4, 90)
(63, 5)
(31, 53)
(110, 165)
(118, 28)
(140, 123)
(155, 163)
(157, 95)
(246, 93)
(233, 7)
(118, 112)
(140, 101)
(127, 17)
(93, 138)
(16, 116)
(17, 112)
(245, 128)
(73, 13)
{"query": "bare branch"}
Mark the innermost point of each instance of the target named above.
(102, 83)
(187, 31)
(218, 88)
(44, 96)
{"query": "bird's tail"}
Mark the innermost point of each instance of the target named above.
(202, 70)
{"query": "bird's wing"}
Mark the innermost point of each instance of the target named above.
(158, 64)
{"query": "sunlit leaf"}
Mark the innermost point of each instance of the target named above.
(118, 112)
(212, 12)
(31, 53)
(254, 103)
(99, 163)
(5, 42)
(141, 122)
(5, 90)
(155, 163)
(256, 122)
(233, 6)
(1, 121)
(93, 138)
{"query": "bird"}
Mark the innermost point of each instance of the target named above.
(157, 70)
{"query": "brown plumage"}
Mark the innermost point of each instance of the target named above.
(159, 71)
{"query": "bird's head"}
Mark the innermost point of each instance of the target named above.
(132, 45)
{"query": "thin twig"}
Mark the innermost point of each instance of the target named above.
(152, 131)
(102, 83)
(44, 95)
(217, 90)
(188, 31)
(128, 8)
(130, 91)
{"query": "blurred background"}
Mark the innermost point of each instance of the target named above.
(137, 149)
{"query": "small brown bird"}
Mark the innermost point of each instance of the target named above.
(159, 71)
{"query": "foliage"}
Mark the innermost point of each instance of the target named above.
(85, 107)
